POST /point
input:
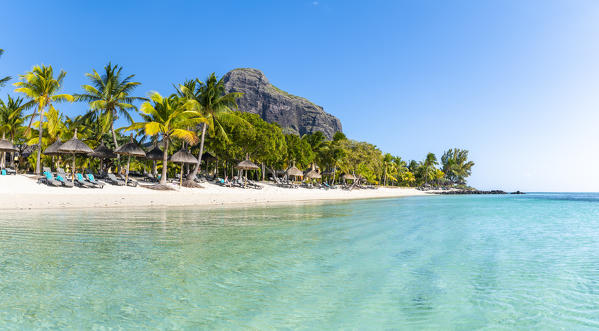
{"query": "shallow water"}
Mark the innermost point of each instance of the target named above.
(442, 262)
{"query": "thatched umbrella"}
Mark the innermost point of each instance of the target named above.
(130, 149)
(294, 171)
(247, 165)
(208, 157)
(102, 152)
(313, 174)
(74, 146)
(183, 156)
(155, 155)
(53, 149)
(5, 146)
(348, 177)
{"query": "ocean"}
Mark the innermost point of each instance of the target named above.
(415, 263)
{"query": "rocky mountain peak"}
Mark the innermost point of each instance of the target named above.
(295, 114)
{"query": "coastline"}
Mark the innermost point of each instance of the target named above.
(23, 193)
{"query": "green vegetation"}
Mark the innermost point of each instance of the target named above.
(201, 117)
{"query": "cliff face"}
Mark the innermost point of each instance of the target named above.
(293, 113)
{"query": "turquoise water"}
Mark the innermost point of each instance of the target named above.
(460, 262)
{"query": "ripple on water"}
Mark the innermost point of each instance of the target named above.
(416, 263)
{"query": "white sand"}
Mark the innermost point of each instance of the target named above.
(23, 192)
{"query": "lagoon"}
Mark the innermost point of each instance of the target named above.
(429, 262)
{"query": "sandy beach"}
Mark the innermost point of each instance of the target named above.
(23, 192)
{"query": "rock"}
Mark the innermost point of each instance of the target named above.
(517, 192)
(461, 192)
(294, 114)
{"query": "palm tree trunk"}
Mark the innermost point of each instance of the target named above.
(196, 169)
(38, 162)
(164, 162)
(116, 145)
(127, 173)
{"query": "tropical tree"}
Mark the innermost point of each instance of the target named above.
(168, 117)
(209, 99)
(3, 80)
(41, 87)
(110, 95)
(456, 165)
(428, 168)
(11, 120)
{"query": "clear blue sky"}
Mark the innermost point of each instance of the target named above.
(515, 82)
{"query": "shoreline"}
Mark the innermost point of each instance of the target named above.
(23, 193)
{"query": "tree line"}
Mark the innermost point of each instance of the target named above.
(199, 117)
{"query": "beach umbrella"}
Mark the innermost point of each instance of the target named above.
(74, 146)
(182, 157)
(102, 152)
(155, 154)
(348, 177)
(313, 174)
(247, 164)
(130, 149)
(208, 157)
(53, 149)
(5, 146)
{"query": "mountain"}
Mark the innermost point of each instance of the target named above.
(294, 114)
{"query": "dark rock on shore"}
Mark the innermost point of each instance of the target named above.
(455, 192)
(294, 114)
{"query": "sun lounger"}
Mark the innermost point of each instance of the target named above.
(62, 178)
(111, 178)
(81, 182)
(91, 179)
(49, 180)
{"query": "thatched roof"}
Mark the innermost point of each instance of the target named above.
(53, 149)
(293, 171)
(208, 157)
(131, 149)
(75, 146)
(7, 146)
(247, 165)
(348, 177)
(313, 174)
(103, 152)
(155, 154)
(183, 156)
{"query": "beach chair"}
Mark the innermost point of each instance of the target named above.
(81, 182)
(49, 180)
(3, 172)
(111, 178)
(91, 179)
(63, 179)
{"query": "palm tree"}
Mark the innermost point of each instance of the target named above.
(387, 165)
(428, 167)
(110, 95)
(210, 100)
(11, 119)
(168, 117)
(42, 88)
(4, 79)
